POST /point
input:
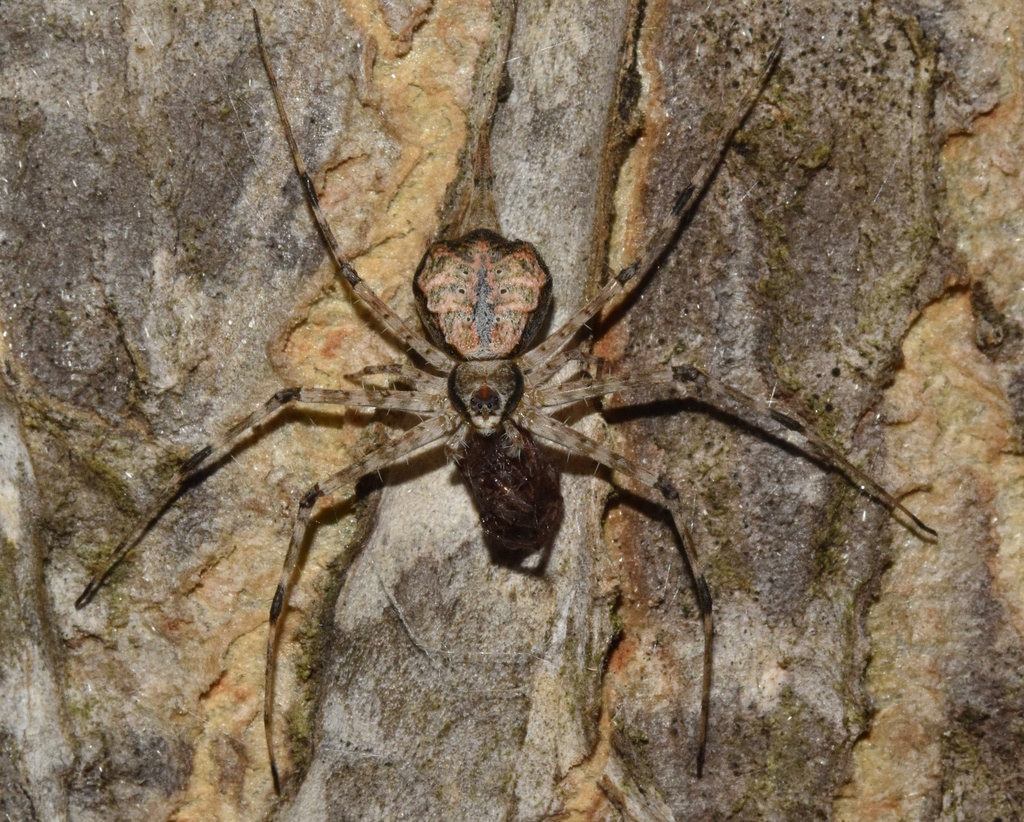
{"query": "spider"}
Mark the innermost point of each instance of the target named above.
(488, 392)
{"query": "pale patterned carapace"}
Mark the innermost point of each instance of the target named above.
(482, 297)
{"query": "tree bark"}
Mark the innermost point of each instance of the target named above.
(856, 259)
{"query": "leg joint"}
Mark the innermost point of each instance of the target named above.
(278, 604)
(286, 395)
(785, 421)
(668, 490)
(685, 373)
(195, 460)
(703, 594)
(627, 274)
(310, 498)
(681, 200)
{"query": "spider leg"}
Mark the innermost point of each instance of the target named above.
(203, 458)
(537, 363)
(401, 373)
(392, 321)
(425, 433)
(688, 381)
(588, 363)
(644, 483)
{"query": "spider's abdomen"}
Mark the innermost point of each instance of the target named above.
(482, 297)
(518, 496)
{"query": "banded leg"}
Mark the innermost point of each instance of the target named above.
(691, 382)
(392, 321)
(644, 483)
(212, 453)
(589, 365)
(404, 374)
(536, 362)
(424, 434)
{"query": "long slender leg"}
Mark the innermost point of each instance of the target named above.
(690, 382)
(203, 458)
(394, 323)
(644, 483)
(534, 363)
(400, 373)
(589, 364)
(423, 434)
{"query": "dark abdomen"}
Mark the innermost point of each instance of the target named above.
(519, 498)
